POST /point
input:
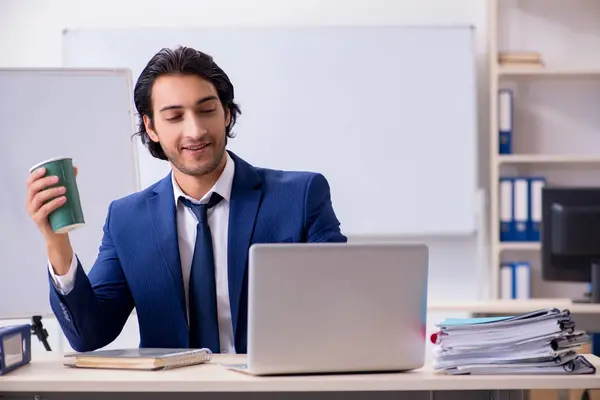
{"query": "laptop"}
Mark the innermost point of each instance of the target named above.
(336, 308)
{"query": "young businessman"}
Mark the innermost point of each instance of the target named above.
(177, 251)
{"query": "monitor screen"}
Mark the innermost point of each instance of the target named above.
(570, 230)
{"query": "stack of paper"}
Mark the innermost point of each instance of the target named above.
(541, 342)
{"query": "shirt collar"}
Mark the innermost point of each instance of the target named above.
(222, 186)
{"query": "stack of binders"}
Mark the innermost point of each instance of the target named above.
(515, 280)
(520, 197)
(541, 342)
(521, 208)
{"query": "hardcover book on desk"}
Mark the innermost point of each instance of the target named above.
(149, 359)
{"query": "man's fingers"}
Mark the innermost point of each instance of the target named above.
(38, 173)
(37, 186)
(42, 183)
(41, 197)
(47, 208)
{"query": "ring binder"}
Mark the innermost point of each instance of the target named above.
(540, 342)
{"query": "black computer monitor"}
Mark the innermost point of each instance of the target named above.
(570, 236)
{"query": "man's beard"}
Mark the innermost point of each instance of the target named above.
(198, 171)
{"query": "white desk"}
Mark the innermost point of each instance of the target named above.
(48, 378)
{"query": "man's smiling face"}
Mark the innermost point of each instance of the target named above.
(189, 122)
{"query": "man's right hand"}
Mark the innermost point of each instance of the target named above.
(41, 201)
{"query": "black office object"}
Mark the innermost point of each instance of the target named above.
(37, 329)
(570, 240)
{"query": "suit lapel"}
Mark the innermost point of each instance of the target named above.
(161, 208)
(243, 208)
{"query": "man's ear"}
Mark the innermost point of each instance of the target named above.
(227, 117)
(149, 129)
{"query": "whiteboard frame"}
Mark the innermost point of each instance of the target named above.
(133, 150)
(127, 72)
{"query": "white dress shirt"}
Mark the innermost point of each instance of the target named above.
(218, 220)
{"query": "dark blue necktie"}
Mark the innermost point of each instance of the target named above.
(204, 326)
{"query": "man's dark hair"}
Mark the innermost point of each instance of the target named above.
(185, 61)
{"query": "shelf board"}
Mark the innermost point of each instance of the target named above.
(520, 246)
(548, 159)
(549, 72)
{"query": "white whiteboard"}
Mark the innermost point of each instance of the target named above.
(387, 114)
(46, 113)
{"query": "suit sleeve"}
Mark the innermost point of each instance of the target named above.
(92, 314)
(64, 283)
(321, 223)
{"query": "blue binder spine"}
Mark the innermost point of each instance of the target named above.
(522, 278)
(506, 208)
(505, 121)
(536, 184)
(507, 281)
(521, 209)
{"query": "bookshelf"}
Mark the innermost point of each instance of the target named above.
(556, 122)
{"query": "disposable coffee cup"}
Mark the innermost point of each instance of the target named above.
(69, 216)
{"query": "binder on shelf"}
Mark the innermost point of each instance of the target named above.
(522, 279)
(520, 209)
(507, 281)
(506, 210)
(505, 121)
(536, 185)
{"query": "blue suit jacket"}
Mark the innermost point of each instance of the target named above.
(138, 262)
